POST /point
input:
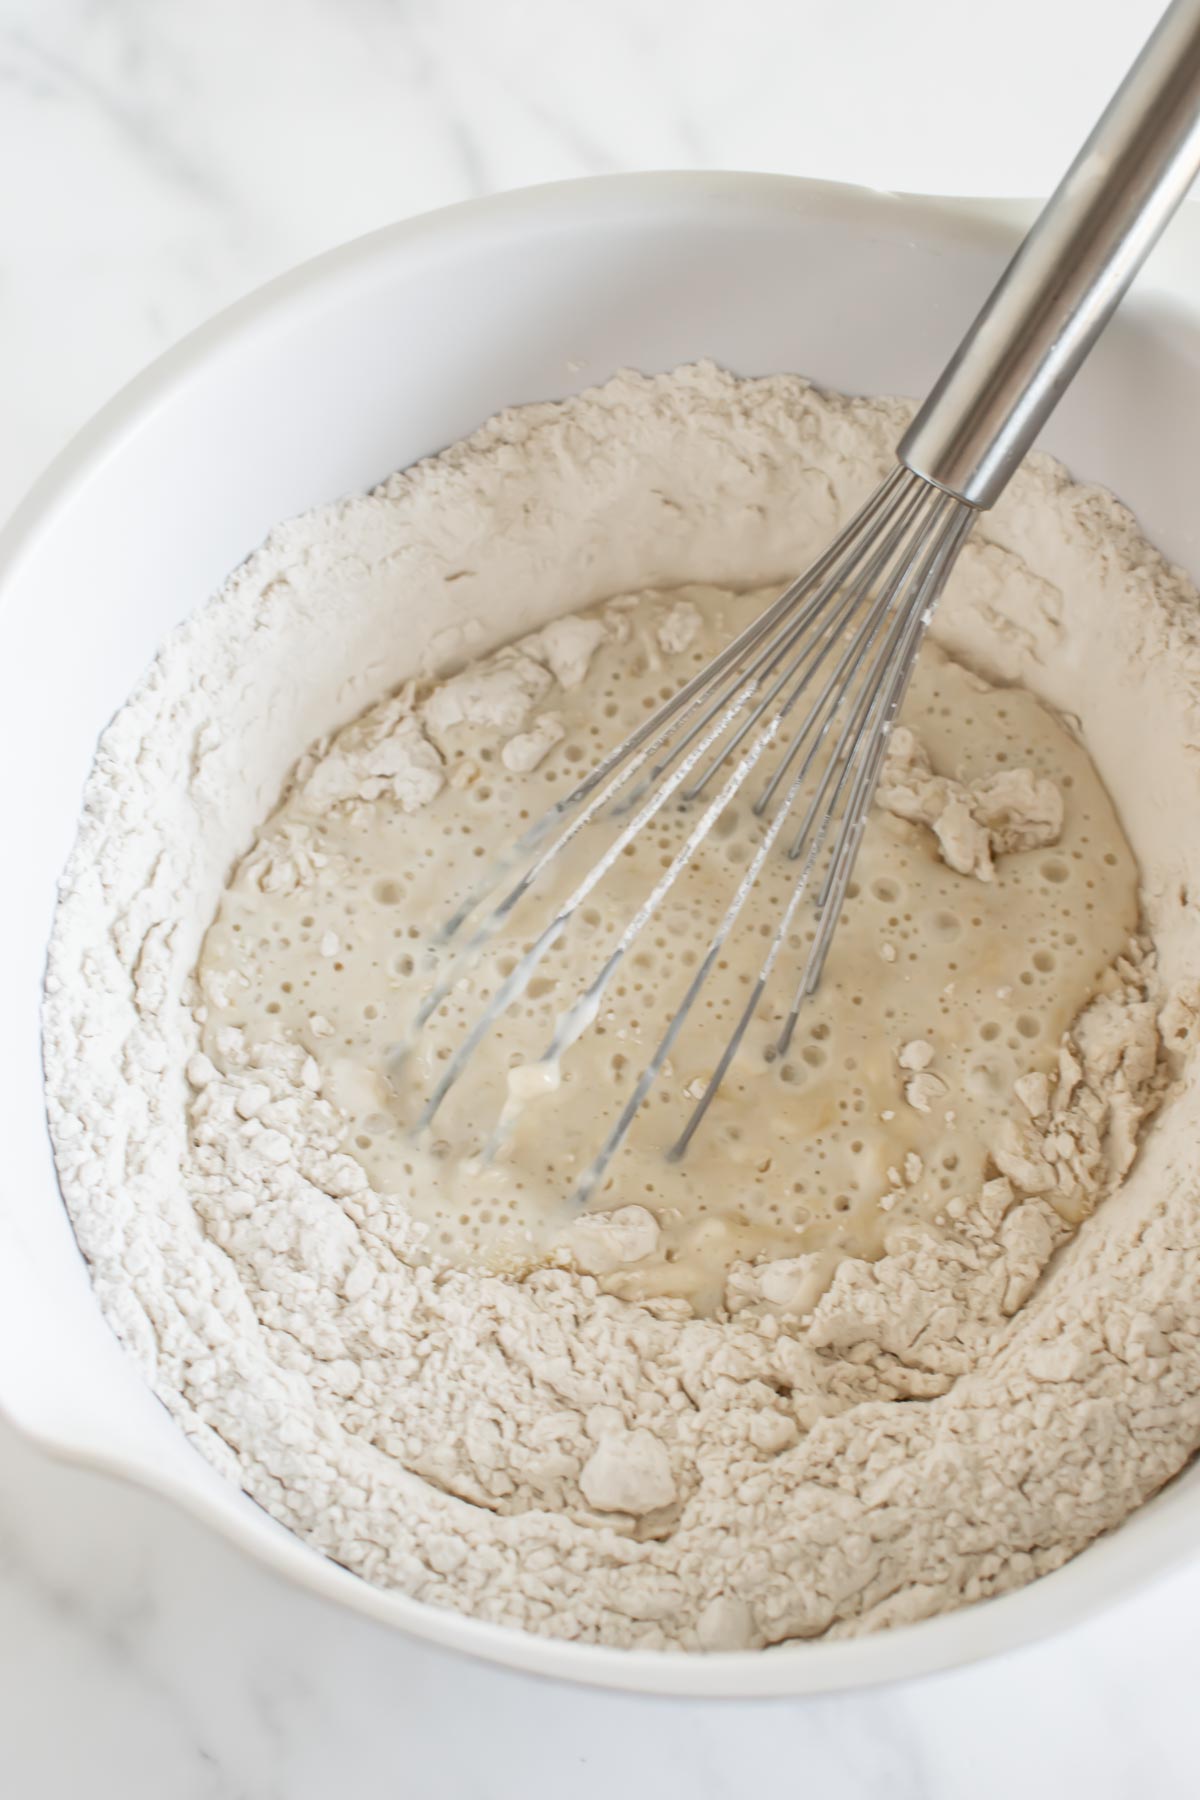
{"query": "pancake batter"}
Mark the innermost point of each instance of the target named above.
(946, 985)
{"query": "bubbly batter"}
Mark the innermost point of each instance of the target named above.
(945, 986)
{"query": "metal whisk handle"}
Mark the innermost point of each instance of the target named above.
(1058, 292)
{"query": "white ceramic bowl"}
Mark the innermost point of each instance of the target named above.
(319, 385)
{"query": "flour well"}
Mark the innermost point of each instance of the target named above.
(823, 1153)
(861, 1430)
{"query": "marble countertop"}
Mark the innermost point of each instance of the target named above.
(160, 161)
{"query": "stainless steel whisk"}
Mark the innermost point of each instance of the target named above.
(806, 696)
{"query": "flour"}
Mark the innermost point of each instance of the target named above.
(527, 750)
(1010, 809)
(392, 760)
(851, 1441)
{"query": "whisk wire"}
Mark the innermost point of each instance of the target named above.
(646, 737)
(813, 655)
(914, 623)
(849, 628)
(595, 792)
(822, 808)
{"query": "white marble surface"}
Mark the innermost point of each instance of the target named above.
(161, 159)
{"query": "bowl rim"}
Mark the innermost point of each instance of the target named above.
(1109, 1568)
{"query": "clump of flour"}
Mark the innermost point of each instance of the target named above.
(839, 1450)
(1010, 809)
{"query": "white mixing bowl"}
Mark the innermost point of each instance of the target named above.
(319, 385)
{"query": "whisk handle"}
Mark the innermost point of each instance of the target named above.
(1060, 289)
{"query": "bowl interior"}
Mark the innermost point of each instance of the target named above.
(318, 387)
